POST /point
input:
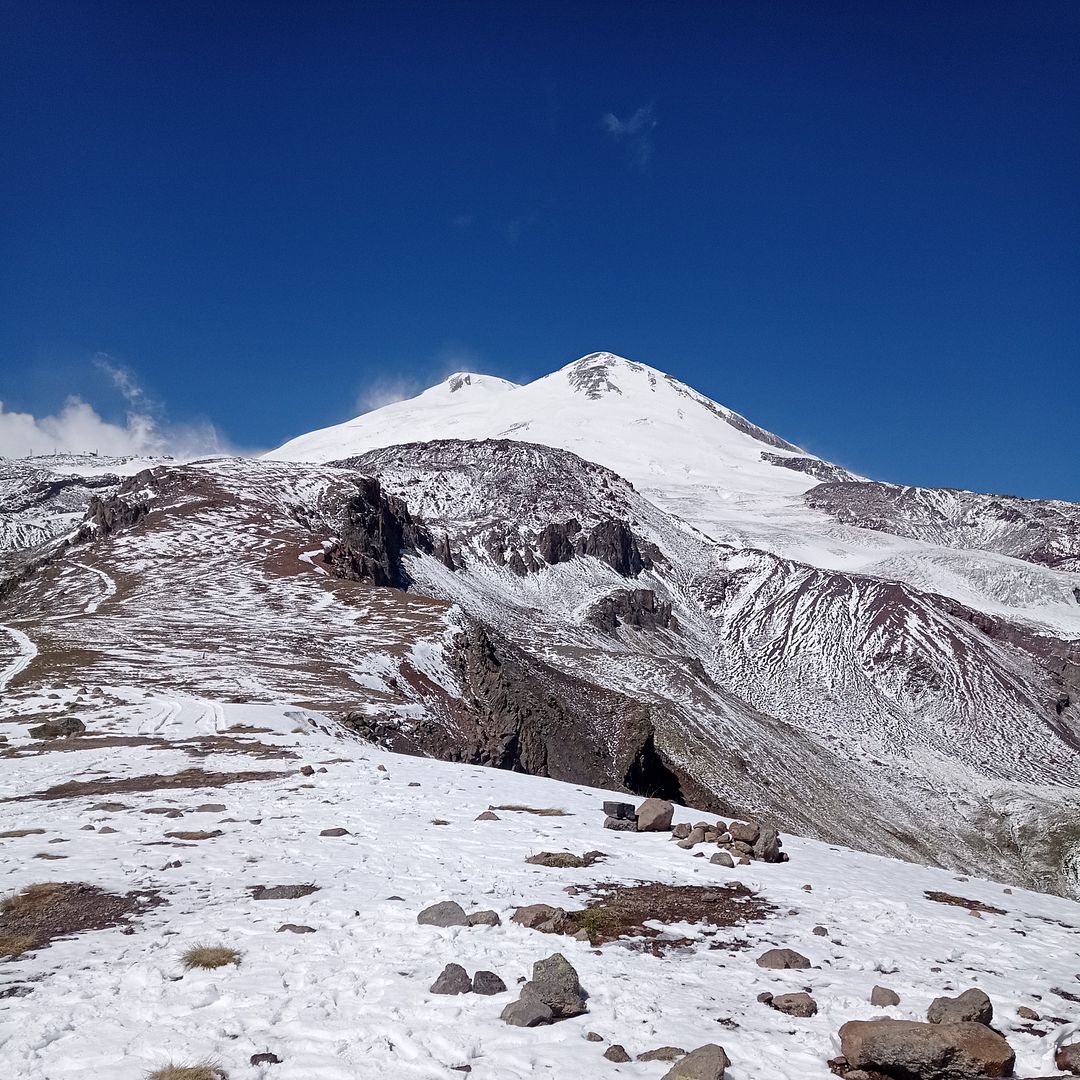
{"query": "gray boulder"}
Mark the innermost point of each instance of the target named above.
(555, 983)
(624, 811)
(483, 918)
(970, 1007)
(542, 917)
(526, 1012)
(446, 913)
(707, 1062)
(620, 824)
(782, 960)
(800, 1004)
(616, 1053)
(722, 858)
(654, 815)
(58, 729)
(909, 1049)
(767, 845)
(487, 983)
(883, 997)
(453, 980)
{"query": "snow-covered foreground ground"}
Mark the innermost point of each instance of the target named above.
(351, 1000)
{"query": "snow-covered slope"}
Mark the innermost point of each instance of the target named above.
(335, 984)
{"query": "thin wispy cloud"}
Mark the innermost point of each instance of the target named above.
(635, 131)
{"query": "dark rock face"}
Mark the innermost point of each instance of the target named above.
(376, 530)
(556, 542)
(638, 608)
(819, 470)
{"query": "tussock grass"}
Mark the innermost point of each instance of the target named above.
(32, 900)
(208, 957)
(16, 944)
(204, 1071)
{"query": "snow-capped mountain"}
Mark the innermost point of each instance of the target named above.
(604, 577)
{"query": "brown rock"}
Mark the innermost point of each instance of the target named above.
(782, 960)
(707, 1062)
(883, 997)
(745, 834)
(908, 1048)
(799, 1004)
(1068, 1058)
(663, 1053)
(972, 1006)
(654, 815)
(616, 1053)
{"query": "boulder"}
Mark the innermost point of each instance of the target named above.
(654, 815)
(767, 845)
(542, 917)
(681, 831)
(58, 729)
(972, 1006)
(883, 997)
(910, 1049)
(555, 983)
(800, 1004)
(616, 1053)
(487, 815)
(1026, 1013)
(620, 824)
(782, 960)
(526, 1012)
(722, 858)
(696, 836)
(663, 1053)
(446, 913)
(624, 811)
(1068, 1058)
(483, 918)
(453, 980)
(707, 1062)
(487, 983)
(820, 931)
(744, 833)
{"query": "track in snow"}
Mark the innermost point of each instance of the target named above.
(26, 651)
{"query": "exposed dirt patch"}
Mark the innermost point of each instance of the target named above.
(963, 902)
(85, 742)
(31, 919)
(226, 744)
(187, 779)
(622, 911)
(11, 833)
(541, 811)
(282, 892)
(199, 834)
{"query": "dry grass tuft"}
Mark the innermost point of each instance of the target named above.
(16, 944)
(205, 1071)
(32, 900)
(208, 957)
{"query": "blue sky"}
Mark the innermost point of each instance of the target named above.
(858, 224)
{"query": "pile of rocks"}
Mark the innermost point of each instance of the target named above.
(738, 841)
(454, 979)
(449, 913)
(553, 993)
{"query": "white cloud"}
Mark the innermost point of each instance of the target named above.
(636, 131)
(78, 427)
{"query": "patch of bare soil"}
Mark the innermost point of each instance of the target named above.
(282, 892)
(85, 742)
(224, 744)
(961, 901)
(33, 918)
(622, 911)
(542, 811)
(198, 834)
(187, 779)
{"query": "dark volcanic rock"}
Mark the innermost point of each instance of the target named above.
(638, 608)
(972, 1006)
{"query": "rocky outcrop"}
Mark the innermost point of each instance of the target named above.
(815, 467)
(638, 608)
(376, 531)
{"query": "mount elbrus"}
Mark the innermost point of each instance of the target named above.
(603, 577)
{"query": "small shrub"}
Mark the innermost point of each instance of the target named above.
(208, 957)
(597, 922)
(540, 811)
(33, 899)
(16, 944)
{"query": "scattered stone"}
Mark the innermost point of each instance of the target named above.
(85, 828)
(306, 770)
(439, 821)
(446, 913)
(744, 834)
(414, 783)
(962, 1051)
(620, 824)
(483, 918)
(197, 834)
(487, 983)
(264, 1059)
(744, 861)
(453, 980)
(106, 829)
(210, 808)
(487, 815)
(1068, 1058)
(707, 1062)
(654, 815)
(883, 997)
(681, 831)
(58, 729)
(798, 1004)
(334, 832)
(972, 1006)
(593, 1036)
(663, 1053)
(765, 997)
(565, 860)
(295, 928)
(722, 858)
(808, 888)
(782, 960)
(621, 810)
(1027, 1014)
(616, 1053)
(282, 892)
